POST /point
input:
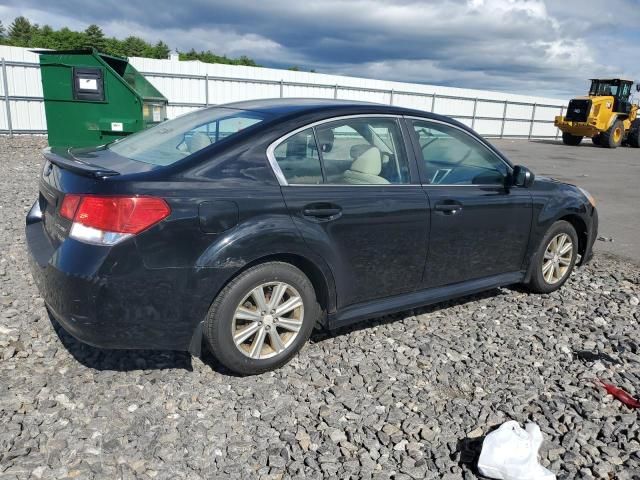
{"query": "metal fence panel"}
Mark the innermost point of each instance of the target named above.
(189, 85)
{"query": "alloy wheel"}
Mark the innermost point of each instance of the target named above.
(267, 320)
(557, 258)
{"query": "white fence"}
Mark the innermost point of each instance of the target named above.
(189, 85)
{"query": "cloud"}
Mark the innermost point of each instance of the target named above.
(523, 46)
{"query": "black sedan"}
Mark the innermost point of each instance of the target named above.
(245, 225)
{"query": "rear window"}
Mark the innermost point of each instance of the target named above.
(176, 139)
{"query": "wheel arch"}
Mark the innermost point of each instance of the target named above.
(581, 230)
(323, 286)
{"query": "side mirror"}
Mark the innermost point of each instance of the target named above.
(637, 87)
(522, 176)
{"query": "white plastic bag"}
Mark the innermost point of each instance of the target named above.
(511, 453)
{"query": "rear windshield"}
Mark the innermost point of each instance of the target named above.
(176, 139)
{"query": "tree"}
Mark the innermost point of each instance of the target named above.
(1, 30)
(159, 50)
(94, 37)
(134, 46)
(20, 32)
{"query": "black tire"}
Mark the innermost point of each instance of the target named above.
(537, 283)
(596, 140)
(633, 137)
(613, 137)
(219, 320)
(573, 140)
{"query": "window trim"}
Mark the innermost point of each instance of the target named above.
(282, 179)
(420, 159)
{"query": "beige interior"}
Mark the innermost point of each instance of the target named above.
(365, 169)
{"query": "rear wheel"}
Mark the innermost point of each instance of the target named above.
(596, 140)
(572, 140)
(612, 138)
(633, 138)
(262, 318)
(555, 258)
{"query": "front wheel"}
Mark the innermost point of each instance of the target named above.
(555, 259)
(572, 140)
(612, 138)
(262, 318)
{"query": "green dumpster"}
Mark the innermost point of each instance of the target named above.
(91, 98)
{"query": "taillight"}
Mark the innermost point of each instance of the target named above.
(107, 220)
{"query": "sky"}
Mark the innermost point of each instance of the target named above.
(546, 48)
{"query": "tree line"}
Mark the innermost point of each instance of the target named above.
(23, 33)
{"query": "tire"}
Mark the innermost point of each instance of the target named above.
(596, 140)
(573, 140)
(540, 281)
(613, 137)
(222, 318)
(633, 137)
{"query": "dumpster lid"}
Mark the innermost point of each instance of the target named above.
(119, 65)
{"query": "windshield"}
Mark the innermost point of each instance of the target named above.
(614, 88)
(176, 139)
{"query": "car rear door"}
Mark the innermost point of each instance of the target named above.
(479, 226)
(357, 201)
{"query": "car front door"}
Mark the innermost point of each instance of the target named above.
(479, 225)
(348, 186)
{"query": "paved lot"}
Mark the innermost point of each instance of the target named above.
(611, 176)
(405, 396)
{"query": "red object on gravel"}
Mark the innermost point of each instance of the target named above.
(620, 394)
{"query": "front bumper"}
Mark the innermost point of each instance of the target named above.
(580, 129)
(106, 297)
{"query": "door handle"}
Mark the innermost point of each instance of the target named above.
(323, 212)
(450, 207)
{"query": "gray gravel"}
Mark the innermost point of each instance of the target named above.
(405, 396)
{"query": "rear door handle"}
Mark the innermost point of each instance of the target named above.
(448, 207)
(322, 211)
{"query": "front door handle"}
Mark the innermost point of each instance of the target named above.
(322, 211)
(448, 207)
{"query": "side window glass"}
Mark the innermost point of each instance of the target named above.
(298, 159)
(363, 151)
(453, 157)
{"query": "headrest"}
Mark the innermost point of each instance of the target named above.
(357, 150)
(325, 139)
(369, 161)
(198, 141)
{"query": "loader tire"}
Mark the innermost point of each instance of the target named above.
(569, 139)
(596, 140)
(633, 137)
(612, 138)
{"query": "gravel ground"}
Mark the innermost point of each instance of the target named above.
(405, 396)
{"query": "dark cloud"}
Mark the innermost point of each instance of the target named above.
(523, 46)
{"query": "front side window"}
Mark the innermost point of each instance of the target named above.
(362, 151)
(453, 157)
(298, 159)
(173, 140)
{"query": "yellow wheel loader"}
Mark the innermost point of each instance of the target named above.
(606, 115)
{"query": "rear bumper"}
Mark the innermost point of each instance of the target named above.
(106, 297)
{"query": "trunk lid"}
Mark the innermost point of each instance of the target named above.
(77, 171)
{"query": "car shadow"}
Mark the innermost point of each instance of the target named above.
(104, 359)
(120, 360)
(326, 334)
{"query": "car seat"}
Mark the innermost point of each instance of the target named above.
(365, 169)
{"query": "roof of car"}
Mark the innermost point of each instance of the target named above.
(286, 106)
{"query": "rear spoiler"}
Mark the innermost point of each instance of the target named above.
(71, 163)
